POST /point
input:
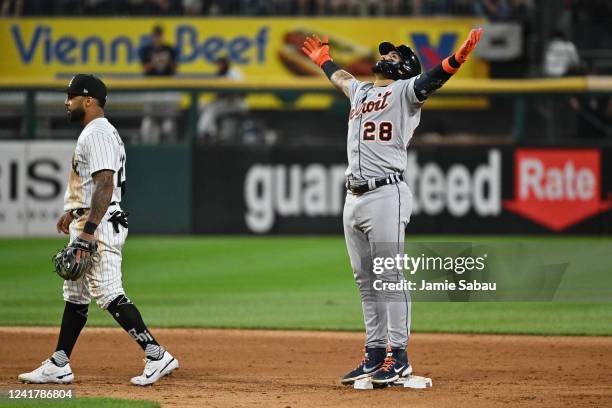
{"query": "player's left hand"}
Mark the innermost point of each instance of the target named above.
(76, 259)
(468, 46)
(86, 241)
(317, 50)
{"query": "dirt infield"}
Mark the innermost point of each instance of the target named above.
(233, 368)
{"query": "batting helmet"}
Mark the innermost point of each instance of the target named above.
(409, 67)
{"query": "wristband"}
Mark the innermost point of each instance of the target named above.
(450, 65)
(329, 67)
(90, 228)
(323, 59)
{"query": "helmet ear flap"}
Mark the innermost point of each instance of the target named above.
(404, 50)
(411, 64)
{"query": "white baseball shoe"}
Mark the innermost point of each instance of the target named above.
(156, 369)
(49, 373)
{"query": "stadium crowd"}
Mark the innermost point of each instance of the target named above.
(492, 9)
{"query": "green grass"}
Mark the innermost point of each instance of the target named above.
(282, 283)
(80, 402)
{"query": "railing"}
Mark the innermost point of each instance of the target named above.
(518, 90)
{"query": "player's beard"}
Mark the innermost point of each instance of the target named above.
(75, 115)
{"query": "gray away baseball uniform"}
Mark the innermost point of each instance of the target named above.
(381, 123)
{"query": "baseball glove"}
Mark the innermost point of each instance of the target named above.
(65, 262)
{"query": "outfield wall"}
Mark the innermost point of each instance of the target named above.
(463, 189)
(33, 177)
(299, 190)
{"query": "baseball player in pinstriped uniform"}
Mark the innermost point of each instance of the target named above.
(93, 214)
(383, 117)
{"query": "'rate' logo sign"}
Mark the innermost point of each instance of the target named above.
(557, 188)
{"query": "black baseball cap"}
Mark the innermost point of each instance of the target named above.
(87, 85)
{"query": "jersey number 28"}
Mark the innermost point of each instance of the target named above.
(385, 131)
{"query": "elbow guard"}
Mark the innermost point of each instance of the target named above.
(429, 82)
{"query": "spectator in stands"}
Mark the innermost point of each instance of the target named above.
(221, 118)
(493, 9)
(561, 59)
(151, 7)
(327, 7)
(598, 12)
(379, 7)
(101, 7)
(227, 7)
(252, 7)
(281, 7)
(193, 7)
(345, 7)
(12, 8)
(168, 7)
(430, 7)
(158, 59)
(309, 7)
(561, 56)
(226, 70)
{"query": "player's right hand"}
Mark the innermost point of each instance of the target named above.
(317, 50)
(63, 224)
(86, 245)
(468, 46)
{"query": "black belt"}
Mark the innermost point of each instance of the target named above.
(79, 212)
(373, 184)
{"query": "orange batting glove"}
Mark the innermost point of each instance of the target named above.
(317, 50)
(468, 46)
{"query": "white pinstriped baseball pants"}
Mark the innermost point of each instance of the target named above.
(103, 281)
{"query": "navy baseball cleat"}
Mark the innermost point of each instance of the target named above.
(373, 359)
(396, 365)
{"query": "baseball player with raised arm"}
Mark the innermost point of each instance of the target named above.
(382, 120)
(98, 229)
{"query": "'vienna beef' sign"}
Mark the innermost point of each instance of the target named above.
(557, 188)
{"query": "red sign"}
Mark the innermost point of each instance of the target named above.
(557, 188)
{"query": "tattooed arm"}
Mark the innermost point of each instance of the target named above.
(100, 200)
(102, 194)
(318, 52)
(341, 80)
